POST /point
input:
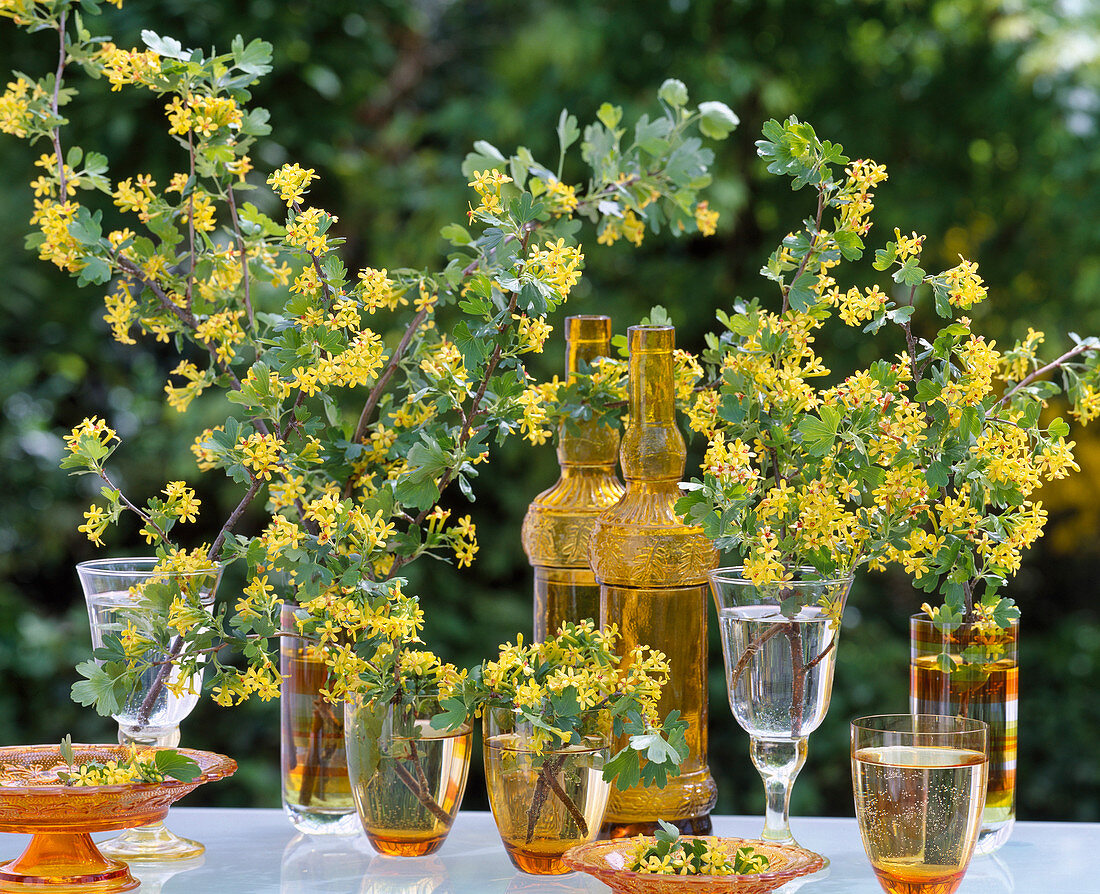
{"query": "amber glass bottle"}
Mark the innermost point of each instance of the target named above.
(652, 569)
(559, 522)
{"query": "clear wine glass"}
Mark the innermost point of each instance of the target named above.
(162, 697)
(919, 783)
(779, 645)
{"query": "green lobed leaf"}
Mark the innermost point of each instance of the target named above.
(177, 766)
(105, 687)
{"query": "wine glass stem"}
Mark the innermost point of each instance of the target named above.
(160, 738)
(778, 762)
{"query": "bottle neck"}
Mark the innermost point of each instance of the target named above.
(653, 448)
(587, 444)
(652, 388)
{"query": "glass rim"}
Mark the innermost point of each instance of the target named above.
(733, 574)
(924, 617)
(964, 725)
(109, 567)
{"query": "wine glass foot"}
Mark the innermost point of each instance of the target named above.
(151, 842)
(789, 841)
(64, 863)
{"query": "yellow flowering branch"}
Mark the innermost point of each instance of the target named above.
(346, 513)
(929, 461)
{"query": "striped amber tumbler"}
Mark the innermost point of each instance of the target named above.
(973, 672)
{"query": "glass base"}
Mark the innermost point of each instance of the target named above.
(151, 842)
(314, 822)
(64, 863)
(993, 836)
(692, 825)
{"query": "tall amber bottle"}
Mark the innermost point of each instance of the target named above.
(652, 569)
(559, 522)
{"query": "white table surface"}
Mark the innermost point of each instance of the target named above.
(257, 851)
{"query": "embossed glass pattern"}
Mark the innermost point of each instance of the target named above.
(652, 569)
(60, 817)
(559, 521)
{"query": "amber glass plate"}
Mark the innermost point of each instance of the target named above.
(61, 856)
(605, 860)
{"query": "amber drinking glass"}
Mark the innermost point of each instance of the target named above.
(919, 782)
(982, 683)
(408, 778)
(163, 697)
(544, 801)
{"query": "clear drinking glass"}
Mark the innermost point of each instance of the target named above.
(317, 794)
(152, 712)
(919, 782)
(779, 645)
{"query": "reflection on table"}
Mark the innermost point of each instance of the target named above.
(257, 852)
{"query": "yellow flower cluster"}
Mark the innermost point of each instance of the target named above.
(377, 290)
(965, 288)
(339, 617)
(487, 185)
(203, 115)
(532, 333)
(222, 331)
(557, 265)
(261, 679)
(630, 226)
(687, 372)
(778, 378)
(706, 219)
(710, 859)
(1087, 406)
(16, 114)
(262, 454)
(857, 205)
(1020, 360)
(124, 67)
(533, 400)
(308, 230)
(121, 309)
(561, 198)
(730, 463)
(856, 306)
(112, 772)
(180, 396)
(91, 430)
(135, 194)
(443, 364)
(291, 182)
(582, 658)
(58, 246)
(464, 541)
(96, 520)
(422, 670)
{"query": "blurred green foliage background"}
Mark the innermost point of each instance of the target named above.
(984, 111)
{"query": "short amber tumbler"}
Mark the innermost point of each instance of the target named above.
(408, 779)
(544, 802)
